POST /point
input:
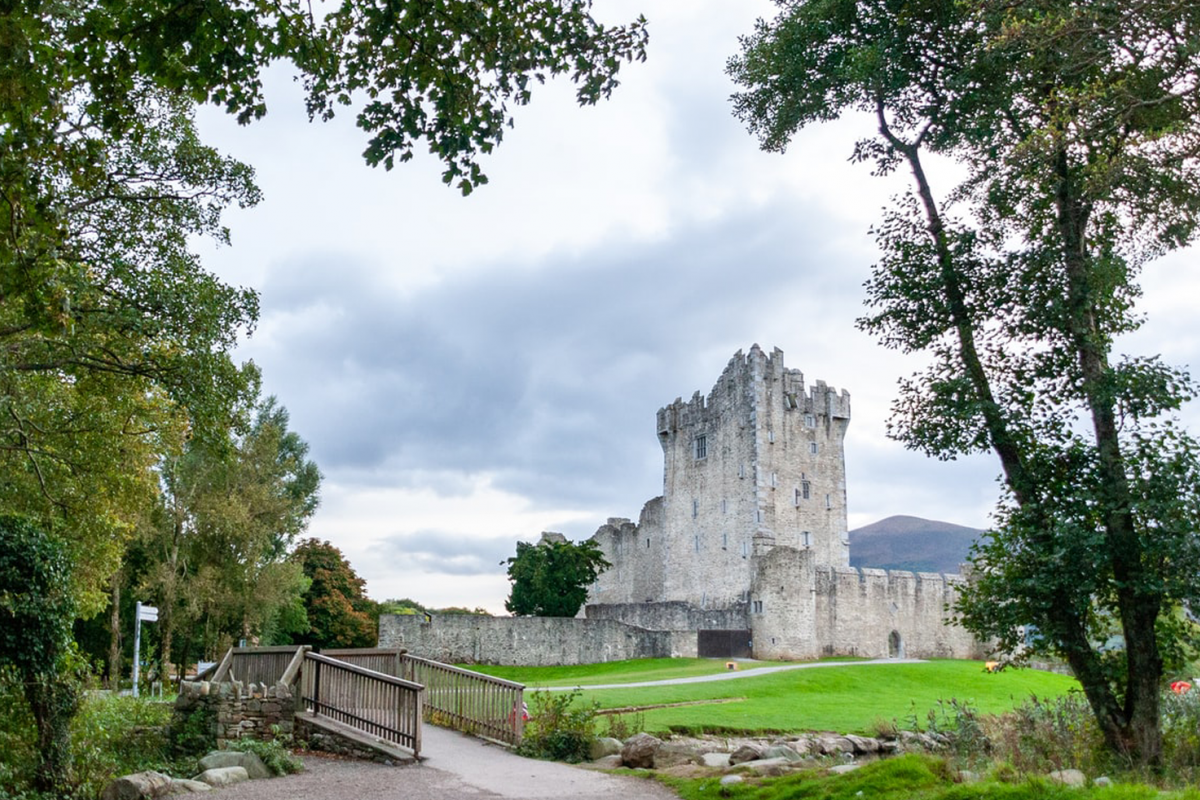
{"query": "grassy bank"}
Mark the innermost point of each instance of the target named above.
(910, 777)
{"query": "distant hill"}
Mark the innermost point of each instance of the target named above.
(911, 543)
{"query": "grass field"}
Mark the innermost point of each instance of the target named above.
(847, 699)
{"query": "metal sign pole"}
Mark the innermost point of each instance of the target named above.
(137, 643)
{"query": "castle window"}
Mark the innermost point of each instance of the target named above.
(758, 515)
(810, 421)
(829, 501)
(812, 448)
(774, 480)
(805, 489)
(805, 538)
(700, 445)
(741, 470)
(745, 549)
(770, 437)
(647, 543)
(696, 542)
(796, 501)
(724, 506)
(724, 541)
(758, 606)
(695, 508)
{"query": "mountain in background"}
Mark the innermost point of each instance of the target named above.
(911, 543)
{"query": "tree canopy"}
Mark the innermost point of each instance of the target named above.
(339, 612)
(551, 578)
(1075, 128)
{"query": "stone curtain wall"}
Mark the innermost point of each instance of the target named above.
(526, 641)
(235, 710)
(857, 611)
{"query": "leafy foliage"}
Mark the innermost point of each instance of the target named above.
(1075, 125)
(339, 612)
(560, 727)
(551, 579)
(274, 755)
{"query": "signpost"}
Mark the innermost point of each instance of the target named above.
(149, 614)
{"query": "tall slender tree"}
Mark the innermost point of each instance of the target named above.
(1075, 126)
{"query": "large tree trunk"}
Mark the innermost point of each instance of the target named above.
(53, 700)
(1139, 603)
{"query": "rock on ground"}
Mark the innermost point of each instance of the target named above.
(639, 751)
(253, 765)
(223, 776)
(604, 746)
(137, 786)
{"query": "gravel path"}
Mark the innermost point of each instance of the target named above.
(734, 674)
(455, 766)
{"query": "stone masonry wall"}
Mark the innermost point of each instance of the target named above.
(236, 710)
(877, 613)
(529, 641)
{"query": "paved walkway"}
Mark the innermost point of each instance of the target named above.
(733, 674)
(454, 766)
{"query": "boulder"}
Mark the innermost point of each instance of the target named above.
(782, 751)
(604, 746)
(1103, 780)
(747, 752)
(830, 744)
(184, 786)
(730, 780)
(717, 760)
(842, 769)
(253, 765)
(137, 786)
(638, 751)
(223, 776)
(1068, 777)
(608, 762)
(804, 746)
(769, 767)
(670, 754)
(863, 744)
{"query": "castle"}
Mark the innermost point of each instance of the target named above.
(746, 553)
(750, 538)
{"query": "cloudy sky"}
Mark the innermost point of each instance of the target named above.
(472, 371)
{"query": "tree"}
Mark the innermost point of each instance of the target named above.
(551, 578)
(230, 514)
(339, 612)
(36, 610)
(446, 73)
(1075, 125)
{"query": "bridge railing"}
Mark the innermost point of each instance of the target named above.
(381, 705)
(256, 664)
(468, 701)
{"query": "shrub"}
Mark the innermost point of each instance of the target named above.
(1041, 735)
(559, 730)
(274, 754)
(114, 735)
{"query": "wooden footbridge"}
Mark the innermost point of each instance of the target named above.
(384, 694)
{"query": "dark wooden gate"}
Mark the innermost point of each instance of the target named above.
(723, 644)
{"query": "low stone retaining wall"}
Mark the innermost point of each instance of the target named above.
(235, 710)
(526, 641)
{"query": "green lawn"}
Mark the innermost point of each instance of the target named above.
(846, 699)
(635, 671)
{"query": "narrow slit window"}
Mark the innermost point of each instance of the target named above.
(813, 448)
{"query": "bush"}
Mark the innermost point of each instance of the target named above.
(1042, 735)
(558, 730)
(114, 735)
(274, 755)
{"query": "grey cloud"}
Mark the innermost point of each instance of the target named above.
(545, 375)
(444, 553)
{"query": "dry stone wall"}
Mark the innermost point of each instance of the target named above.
(235, 710)
(530, 641)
